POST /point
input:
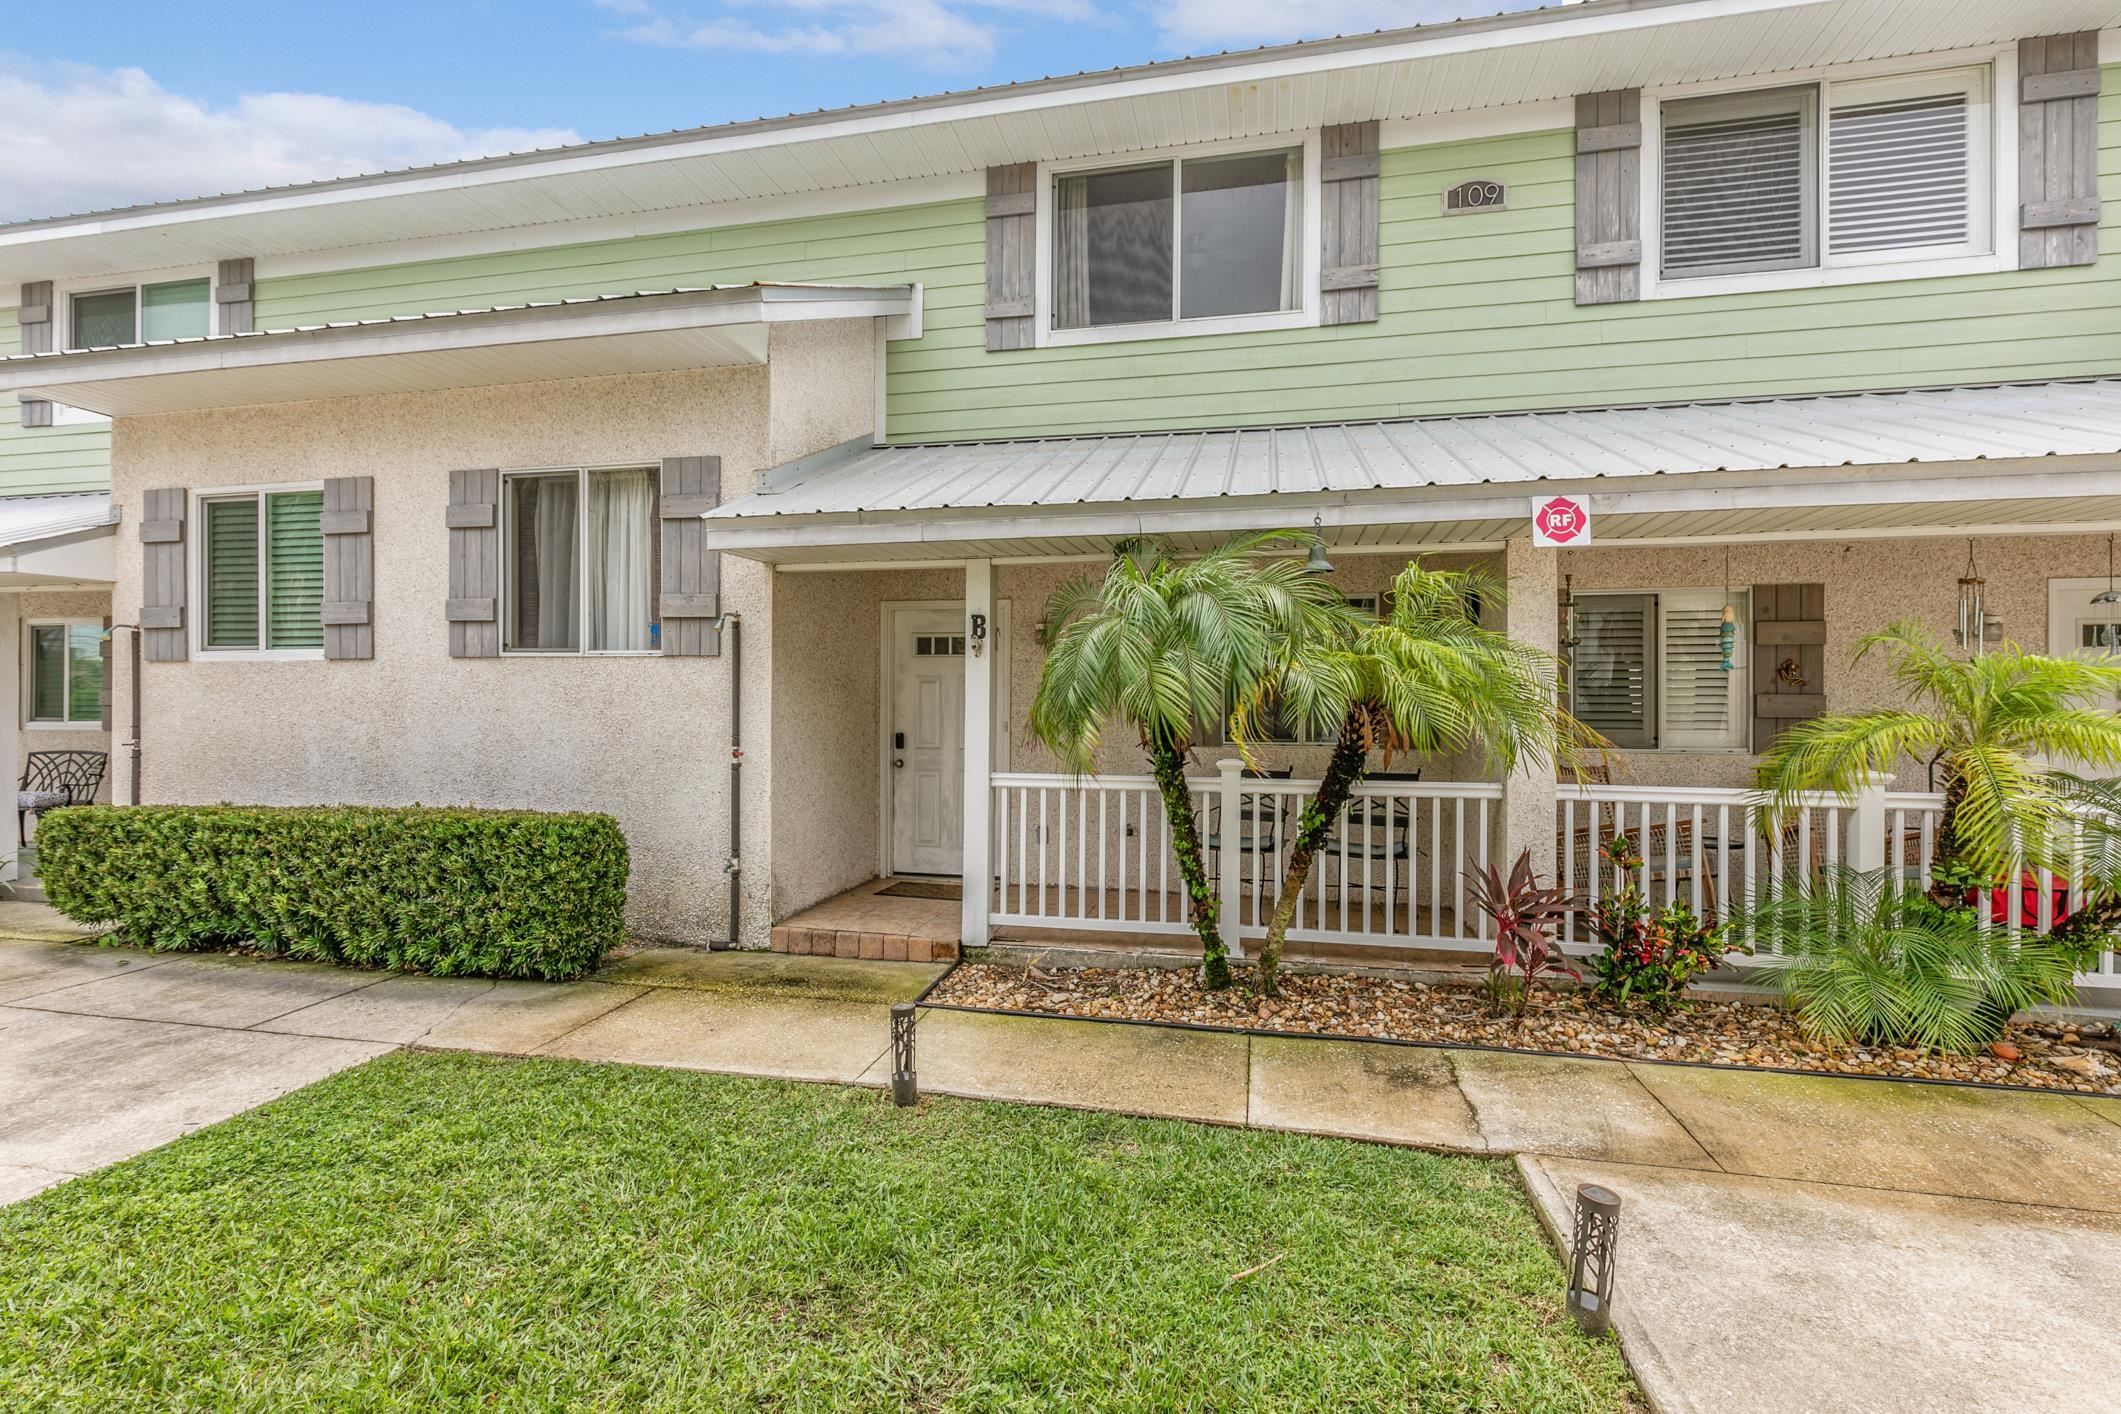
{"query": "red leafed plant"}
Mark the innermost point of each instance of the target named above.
(1526, 916)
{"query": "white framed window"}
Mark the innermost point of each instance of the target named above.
(1647, 669)
(106, 315)
(580, 561)
(63, 675)
(260, 572)
(1851, 175)
(1217, 238)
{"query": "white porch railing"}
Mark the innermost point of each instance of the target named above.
(1095, 854)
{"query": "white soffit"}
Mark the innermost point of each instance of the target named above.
(645, 332)
(1489, 63)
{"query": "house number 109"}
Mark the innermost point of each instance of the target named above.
(1475, 195)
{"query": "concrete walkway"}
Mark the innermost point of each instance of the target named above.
(1789, 1243)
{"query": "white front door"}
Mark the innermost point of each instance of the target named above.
(927, 743)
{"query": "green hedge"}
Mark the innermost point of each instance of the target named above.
(482, 893)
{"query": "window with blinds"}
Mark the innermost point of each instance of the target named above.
(66, 673)
(1613, 671)
(263, 566)
(1647, 670)
(1898, 169)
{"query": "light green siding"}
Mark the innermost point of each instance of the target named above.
(1478, 313)
(40, 460)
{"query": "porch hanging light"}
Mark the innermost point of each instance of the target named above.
(1318, 563)
(1973, 608)
(1591, 1258)
(2108, 595)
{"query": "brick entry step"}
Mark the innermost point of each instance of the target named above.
(876, 947)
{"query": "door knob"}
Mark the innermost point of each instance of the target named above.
(897, 762)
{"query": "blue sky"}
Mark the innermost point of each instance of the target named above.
(157, 100)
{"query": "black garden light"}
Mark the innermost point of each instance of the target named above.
(904, 1089)
(1591, 1258)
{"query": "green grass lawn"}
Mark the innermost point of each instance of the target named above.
(459, 1232)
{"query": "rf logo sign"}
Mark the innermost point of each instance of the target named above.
(1561, 520)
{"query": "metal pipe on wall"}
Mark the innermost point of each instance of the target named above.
(733, 625)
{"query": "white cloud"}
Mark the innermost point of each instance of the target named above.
(1198, 25)
(935, 33)
(83, 139)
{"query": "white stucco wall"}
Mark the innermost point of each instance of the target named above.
(644, 738)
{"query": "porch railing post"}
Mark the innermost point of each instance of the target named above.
(1229, 839)
(1867, 850)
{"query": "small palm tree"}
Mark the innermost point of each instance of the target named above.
(1984, 725)
(1425, 678)
(1163, 646)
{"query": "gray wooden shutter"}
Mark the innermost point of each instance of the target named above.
(691, 573)
(232, 293)
(34, 317)
(163, 582)
(474, 521)
(1347, 222)
(349, 567)
(1789, 658)
(1012, 256)
(2058, 150)
(1609, 197)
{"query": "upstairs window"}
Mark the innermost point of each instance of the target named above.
(1826, 175)
(133, 314)
(580, 562)
(263, 563)
(1177, 239)
(1647, 670)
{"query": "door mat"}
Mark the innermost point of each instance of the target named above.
(921, 888)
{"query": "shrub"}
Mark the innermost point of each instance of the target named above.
(485, 893)
(1525, 915)
(1872, 960)
(1649, 957)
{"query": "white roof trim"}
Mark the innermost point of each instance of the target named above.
(648, 331)
(28, 520)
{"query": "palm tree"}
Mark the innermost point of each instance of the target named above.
(1425, 678)
(1164, 646)
(1983, 725)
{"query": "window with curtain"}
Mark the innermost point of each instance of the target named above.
(66, 673)
(1899, 168)
(263, 564)
(580, 561)
(171, 309)
(1187, 238)
(1647, 669)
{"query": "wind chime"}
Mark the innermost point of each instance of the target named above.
(1727, 631)
(1973, 607)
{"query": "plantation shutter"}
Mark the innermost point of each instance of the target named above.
(1613, 668)
(162, 576)
(691, 573)
(1789, 657)
(1900, 172)
(1608, 197)
(2058, 150)
(1697, 691)
(1739, 183)
(33, 317)
(349, 567)
(1348, 224)
(474, 521)
(232, 296)
(1012, 257)
(231, 572)
(294, 569)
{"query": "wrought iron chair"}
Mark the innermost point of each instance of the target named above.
(52, 780)
(1372, 831)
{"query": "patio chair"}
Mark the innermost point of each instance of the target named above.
(52, 780)
(1386, 825)
(1667, 853)
(1251, 813)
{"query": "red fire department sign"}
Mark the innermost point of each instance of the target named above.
(1561, 520)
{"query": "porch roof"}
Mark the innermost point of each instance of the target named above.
(57, 541)
(648, 331)
(1916, 457)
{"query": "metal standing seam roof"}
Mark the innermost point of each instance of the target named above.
(27, 518)
(2002, 422)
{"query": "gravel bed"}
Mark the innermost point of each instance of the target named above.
(2043, 1054)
